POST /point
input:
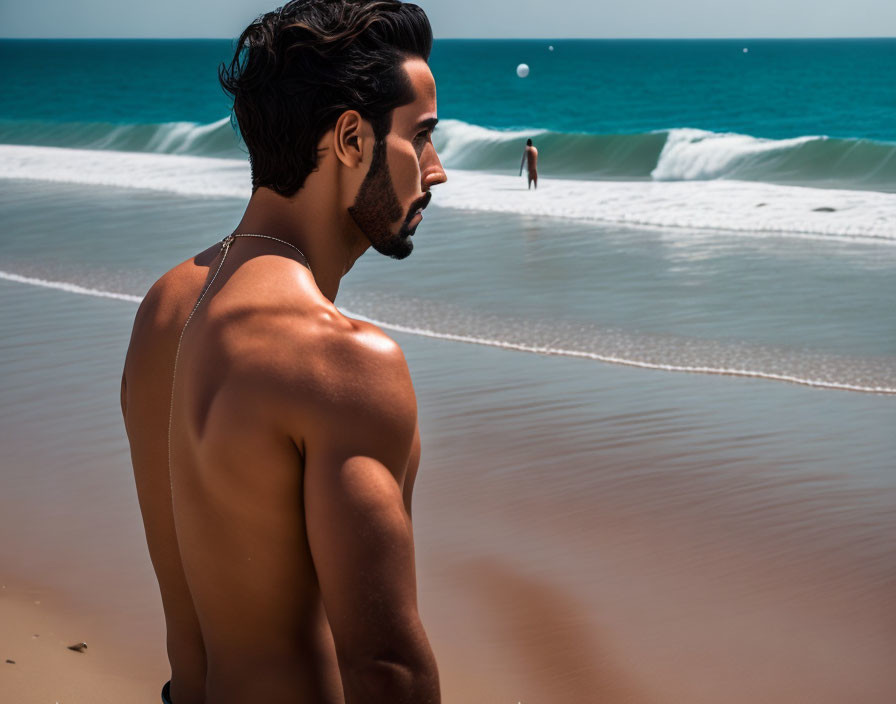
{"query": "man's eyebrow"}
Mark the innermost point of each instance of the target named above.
(429, 123)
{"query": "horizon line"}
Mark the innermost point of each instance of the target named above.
(556, 39)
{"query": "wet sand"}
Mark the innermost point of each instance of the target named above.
(584, 532)
(120, 664)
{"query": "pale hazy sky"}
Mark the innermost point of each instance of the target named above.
(473, 18)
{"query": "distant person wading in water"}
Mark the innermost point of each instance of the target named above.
(530, 160)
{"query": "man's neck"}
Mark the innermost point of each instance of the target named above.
(314, 221)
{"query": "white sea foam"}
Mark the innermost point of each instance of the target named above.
(180, 137)
(736, 206)
(693, 155)
(507, 344)
(183, 175)
(68, 287)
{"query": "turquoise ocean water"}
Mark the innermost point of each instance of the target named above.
(814, 111)
(659, 391)
(776, 157)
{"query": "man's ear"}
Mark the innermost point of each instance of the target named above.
(348, 138)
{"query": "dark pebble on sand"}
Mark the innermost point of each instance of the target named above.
(761, 205)
(824, 210)
(78, 647)
(11, 662)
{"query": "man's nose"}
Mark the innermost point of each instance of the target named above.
(433, 174)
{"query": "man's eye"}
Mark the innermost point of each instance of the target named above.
(424, 135)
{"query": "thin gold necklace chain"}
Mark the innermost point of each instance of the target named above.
(225, 248)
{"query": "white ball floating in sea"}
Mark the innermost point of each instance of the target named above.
(522, 70)
(550, 48)
(746, 51)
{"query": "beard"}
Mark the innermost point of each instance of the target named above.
(376, 208)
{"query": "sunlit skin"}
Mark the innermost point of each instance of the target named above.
(282, 539)
(530, 160)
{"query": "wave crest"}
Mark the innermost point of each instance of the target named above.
(215, 139)
(681, 154)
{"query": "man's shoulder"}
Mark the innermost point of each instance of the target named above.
(335, 356)
(162, 306)
(335, 372)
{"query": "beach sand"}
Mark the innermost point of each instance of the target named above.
(623, 584)
(120, 664)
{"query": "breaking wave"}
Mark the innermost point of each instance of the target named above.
(670, 155)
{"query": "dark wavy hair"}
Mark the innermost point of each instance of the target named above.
(298, 68)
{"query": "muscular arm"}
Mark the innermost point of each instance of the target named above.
(359, 529)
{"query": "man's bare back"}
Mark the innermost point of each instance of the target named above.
(274, 441)
(265, 405)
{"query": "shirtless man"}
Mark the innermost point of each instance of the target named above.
(530, 159)
(274, 441)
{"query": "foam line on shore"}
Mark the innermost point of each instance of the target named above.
(68, 287)
(500, 344)
(749, 209)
